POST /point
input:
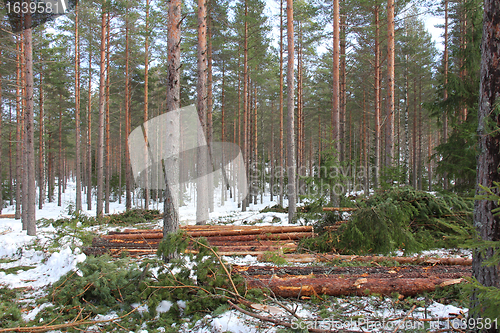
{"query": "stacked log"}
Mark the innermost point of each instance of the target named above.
(230, 240)
(312, 258)
(339, 281)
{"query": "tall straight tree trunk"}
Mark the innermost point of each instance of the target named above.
(291, 167)
(281, 171)
(59, 156)
(77, 114)
(171, 214)
(210, 130)
(343, 93)
(19, 146)
(336, 77)
(128, 176)
(11, 172)
(24, 184)
(445, 92)
(102, 110)
(414, 134)
(246, 151)
(1, 164)
(146, 92)
(202, 181)
(29, 132)
(89, 136)
(389, 132)
(486, 222)
(108, 120)
(120, 158)
(377, 97)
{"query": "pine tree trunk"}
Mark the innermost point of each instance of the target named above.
(102, 101)
(246, 151)
(414, 135)
(77, 114)
(24, 184)
(281, 171)
(59, 157)
(377, 98)
(210, 130)
(29, 132)
(89, 136)
(128, 176)
(343, 84)
(19, 146)
(336, 77)
(1, 164)
(171, 208)
(445, 91)
(108, 120)
(291, 167)
(389, 133)
(486, 222)
(146, 92)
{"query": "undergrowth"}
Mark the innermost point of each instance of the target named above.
(194, 284)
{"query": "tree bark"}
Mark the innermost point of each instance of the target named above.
(377, 97)
(281, 171)
(77, 114)
(389, 133)
(171, 209)
(487, 224)
(445, 92)
(246, 150)
(1, 164)
(336, 77)
(146, 92)
(102, 110)
(108, 120)
(19, 145)
(89, 136)
(338, 286)
(128, 176)
(29, 134)
(291, 167)
(202, 165)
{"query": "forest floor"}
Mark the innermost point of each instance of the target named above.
(30, 265)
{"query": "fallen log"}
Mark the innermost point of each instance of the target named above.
(409, 271)
(152, 235)
(338, 286)
(252, 231)
(338, 209)
(7, 216)
(251, 243)
(309, 258)
(245, 238)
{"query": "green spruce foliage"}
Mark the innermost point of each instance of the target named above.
(406, 219)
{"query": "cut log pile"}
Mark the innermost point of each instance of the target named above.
(230, 240)
(338, 281)
(311, 258)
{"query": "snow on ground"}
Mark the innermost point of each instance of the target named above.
(43, 266)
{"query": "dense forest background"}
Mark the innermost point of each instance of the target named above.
(348, 118)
